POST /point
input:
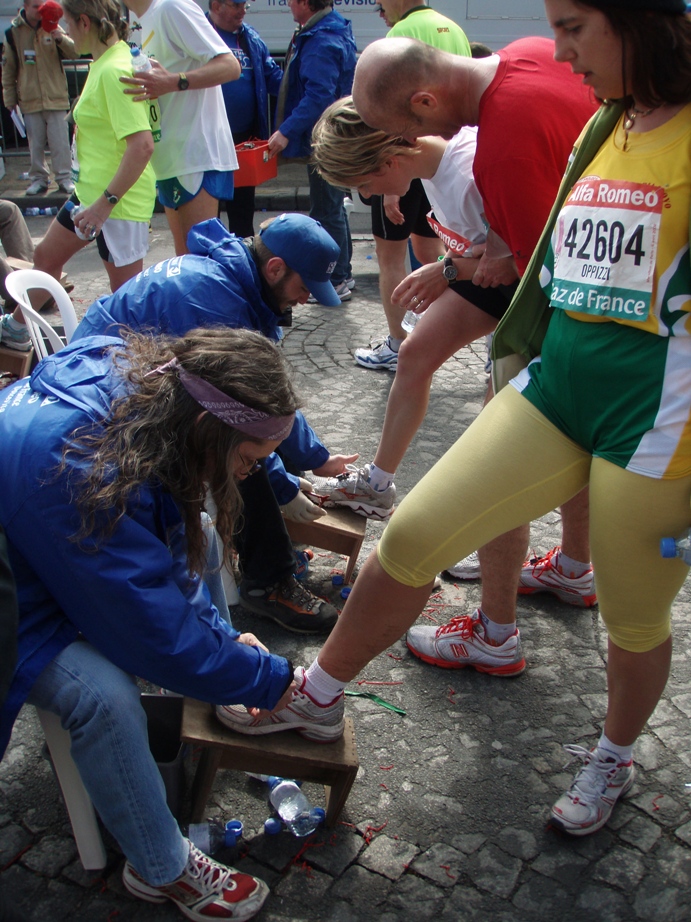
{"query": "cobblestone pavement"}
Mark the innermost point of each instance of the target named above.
(447, 817)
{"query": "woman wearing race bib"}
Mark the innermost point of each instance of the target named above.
(453, 311)
(605, 306)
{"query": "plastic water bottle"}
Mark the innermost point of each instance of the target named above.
(75, 210)
(293, 807)
(32, 212)
(141, 64)
(677, 547)
(212, 836)
(52, 210)
(410, 318)
(302, 563)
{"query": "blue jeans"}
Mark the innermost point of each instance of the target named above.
(327, 208)
(99, 705)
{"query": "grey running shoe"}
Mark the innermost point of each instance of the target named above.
(37, 187)
(291, 605)
(468, 568)
(380, 355)
(354, 491)
(588, 803)
(14, 339)
(462, 643)
(321, 722)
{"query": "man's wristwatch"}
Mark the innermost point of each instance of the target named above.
(183, 82)
(110, 198)
(450, 272)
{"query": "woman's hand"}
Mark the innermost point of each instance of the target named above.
(90, 221)
(335, 465)
(284, 701)
(251, 641)
(417, 290)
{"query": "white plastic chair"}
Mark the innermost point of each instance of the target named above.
(87, 835)
(41, 331)
(20, 282)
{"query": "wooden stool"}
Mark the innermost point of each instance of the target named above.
(16, 362)
(340, 530)
(285, 754)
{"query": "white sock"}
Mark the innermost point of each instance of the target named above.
(496, 633)
(623, 753)
(570, 567)
(321, 686)
(378, 479)
(394, 344)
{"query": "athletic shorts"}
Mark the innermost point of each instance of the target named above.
(414, 205)
(182, 189)
(120, 242)
(493, 301)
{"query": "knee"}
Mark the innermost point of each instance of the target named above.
(412, 365)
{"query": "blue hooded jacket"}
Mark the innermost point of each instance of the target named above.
(134, 599)
(321, 71)
(216, 284)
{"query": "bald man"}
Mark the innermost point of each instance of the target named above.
(529, 111)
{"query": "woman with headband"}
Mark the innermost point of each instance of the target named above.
(109, 451)
(603, 316)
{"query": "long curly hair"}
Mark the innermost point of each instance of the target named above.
(345, 149)
(156, 433)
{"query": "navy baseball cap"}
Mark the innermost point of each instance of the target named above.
(306, 248)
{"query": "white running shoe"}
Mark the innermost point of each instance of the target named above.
(353, 490)
(462, 643)
(542, 574)
(206, 890)
(588, 803)
(380, 355)
(321, 722)
(468, 568)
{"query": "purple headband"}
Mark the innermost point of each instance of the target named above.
(230, 411)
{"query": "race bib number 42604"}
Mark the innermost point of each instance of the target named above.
(605, 245)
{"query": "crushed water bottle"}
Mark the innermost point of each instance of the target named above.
(32, 212)
(75, 210)
(410, 318)
(677, 547)
(293, 807)
(212, 836)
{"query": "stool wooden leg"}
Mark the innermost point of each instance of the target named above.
(352, 560)
(209, 763)
(336, 796)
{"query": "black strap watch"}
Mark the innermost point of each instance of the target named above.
(110, 198)
(183, 82)
(450, 272)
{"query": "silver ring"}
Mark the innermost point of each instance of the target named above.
(414, 300)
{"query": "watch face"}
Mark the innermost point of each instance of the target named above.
(450, 272)
(183, 83)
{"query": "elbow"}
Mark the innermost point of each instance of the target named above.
(148, 148)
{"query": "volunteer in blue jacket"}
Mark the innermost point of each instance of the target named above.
(254, 284)
(108, 451)
(246, 99)
(319, 69)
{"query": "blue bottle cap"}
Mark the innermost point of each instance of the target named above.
(320, 813)
(668, 547)
(272, 826)
(233, 832)
(337, 579)
(345, 592)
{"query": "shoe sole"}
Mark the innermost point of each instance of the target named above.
(325, 735)
(370, 512)
(512, 669)
(464, 574)
(381, 366)
(150, 896)
(258, 610)
(558, 821)
(571, 598)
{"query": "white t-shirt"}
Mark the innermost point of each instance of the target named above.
(457, 214)
(195, 135)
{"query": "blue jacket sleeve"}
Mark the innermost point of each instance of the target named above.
(303, 449)
(133, 598)
(319, 73)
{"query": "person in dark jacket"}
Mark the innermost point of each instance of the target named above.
(109, 451)
(246, 99)
(253, 284)
(319, 69)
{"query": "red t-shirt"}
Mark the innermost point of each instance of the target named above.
(530, 116)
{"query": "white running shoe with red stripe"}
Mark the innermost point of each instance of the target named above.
(542, 574)
(588, 803)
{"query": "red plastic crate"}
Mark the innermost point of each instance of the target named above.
(255, 167)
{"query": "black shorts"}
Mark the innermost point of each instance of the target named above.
(493, 301)
(414, 205)
(64, 219)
